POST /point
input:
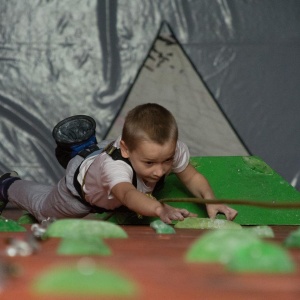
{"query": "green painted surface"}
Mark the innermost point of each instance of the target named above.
(77, 228)
(261, 257)
(84, 281)
(7, 225)
(245, 178)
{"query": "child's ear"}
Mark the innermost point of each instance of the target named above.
(124, 149)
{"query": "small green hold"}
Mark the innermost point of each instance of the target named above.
(257, 165)
(80, 228)
(83, 246)
(7, 225)
(162, 228)
(293, 239)
(261, 257)
(27, 218)
(206, 223)
(218, 245)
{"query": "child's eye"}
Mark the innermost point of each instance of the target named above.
(169, 160)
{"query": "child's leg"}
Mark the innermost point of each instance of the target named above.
(45, 201)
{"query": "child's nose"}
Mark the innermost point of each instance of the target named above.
(159, 171)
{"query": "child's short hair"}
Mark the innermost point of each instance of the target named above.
(149, 121)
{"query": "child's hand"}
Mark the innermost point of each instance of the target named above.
(168, 213)
(213, 209)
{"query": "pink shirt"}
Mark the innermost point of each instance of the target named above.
(102, 173)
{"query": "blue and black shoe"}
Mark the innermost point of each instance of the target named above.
(5, 181)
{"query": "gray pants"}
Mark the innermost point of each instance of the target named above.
(43, 201)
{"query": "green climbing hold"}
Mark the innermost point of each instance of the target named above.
(293, 239)
(27, 218)
(85, 279)
(257, 165)
(261, 257)
(206, 223)
(263, 231)
(7, 225)
(83, 246)
(77, 228)
(218, 245)
(162, 228)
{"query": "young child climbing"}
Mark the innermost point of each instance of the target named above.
(124, 174)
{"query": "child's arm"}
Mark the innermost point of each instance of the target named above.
(199, 187)
(129, 196)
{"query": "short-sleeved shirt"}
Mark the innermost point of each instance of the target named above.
(101, 173)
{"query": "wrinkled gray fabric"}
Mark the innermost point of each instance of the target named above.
(70, 57)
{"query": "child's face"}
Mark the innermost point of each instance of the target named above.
(151, 160)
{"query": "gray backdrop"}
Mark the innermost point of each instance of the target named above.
(65, 57)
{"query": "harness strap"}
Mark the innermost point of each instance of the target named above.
(87, 151)
(94, 208)
(115, 154)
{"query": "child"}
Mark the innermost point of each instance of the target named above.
(124, 174)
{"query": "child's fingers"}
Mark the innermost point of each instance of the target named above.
(175, 215)
(166, 220)
(230, 214)
(178, 215)
(185, 213)
(192, 215)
